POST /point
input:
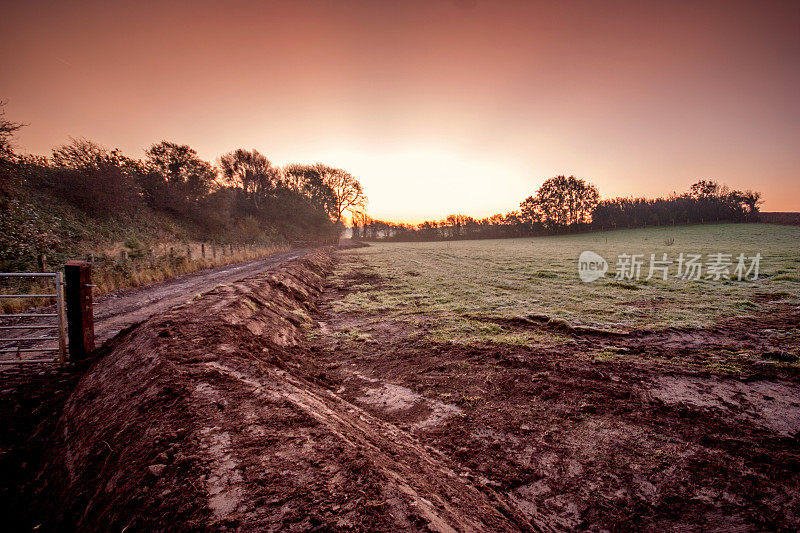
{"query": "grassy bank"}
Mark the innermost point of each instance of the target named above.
(126, 251)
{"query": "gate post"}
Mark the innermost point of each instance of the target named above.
(80, 316)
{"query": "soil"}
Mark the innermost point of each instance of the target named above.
(212, 416)
(681, 429)
(242, 409)
(123, 309)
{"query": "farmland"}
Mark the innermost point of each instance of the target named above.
(649, 405)
(460, 288)
(451, 386)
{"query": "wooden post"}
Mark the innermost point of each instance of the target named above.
(214, 251)
(188, 253)
(152, 258)
(42, 263)
(80, 315)
(203, 249)
(231, 248)
(62, 319)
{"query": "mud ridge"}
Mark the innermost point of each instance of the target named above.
(212, 416)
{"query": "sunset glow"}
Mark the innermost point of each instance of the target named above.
(436, 107)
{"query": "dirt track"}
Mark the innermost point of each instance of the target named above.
(119, 310)
(116, 311)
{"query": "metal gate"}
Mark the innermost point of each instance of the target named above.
(17, 346)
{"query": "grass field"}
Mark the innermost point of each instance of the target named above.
(457, 286)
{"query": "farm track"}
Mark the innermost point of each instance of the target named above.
(120, 310)
(116, 311)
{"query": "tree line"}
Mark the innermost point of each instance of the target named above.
(568, 205)
(244, 197)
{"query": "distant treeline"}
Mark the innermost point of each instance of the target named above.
(244, 198)
(569, 205)
(787, 219)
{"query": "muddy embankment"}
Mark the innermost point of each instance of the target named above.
(209, 417)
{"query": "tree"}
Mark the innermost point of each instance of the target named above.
(7, 129)
(751, 200)
(83, 154)
(309, 181)
(100, 181)
(252, 171)
(187, 176)
(704, 189)
(349, 195)
(360, 220)
(561, 202)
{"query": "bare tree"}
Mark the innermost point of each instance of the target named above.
(347, 190)
(359, 220)
(7, 129)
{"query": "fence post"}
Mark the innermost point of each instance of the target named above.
(80, 316)
(62, 319)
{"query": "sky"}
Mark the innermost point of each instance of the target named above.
(436, 107)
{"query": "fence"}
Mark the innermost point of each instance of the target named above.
(123, 268)
(29, 323)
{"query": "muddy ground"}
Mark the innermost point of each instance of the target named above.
(122, 309)
(247, 409)
(595, 432)
(210, 417)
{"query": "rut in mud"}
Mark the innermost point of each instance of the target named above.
(211, 416)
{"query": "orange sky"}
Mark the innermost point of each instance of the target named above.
(437, 107)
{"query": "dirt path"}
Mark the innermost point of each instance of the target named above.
(119, 310)
(116, 311)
